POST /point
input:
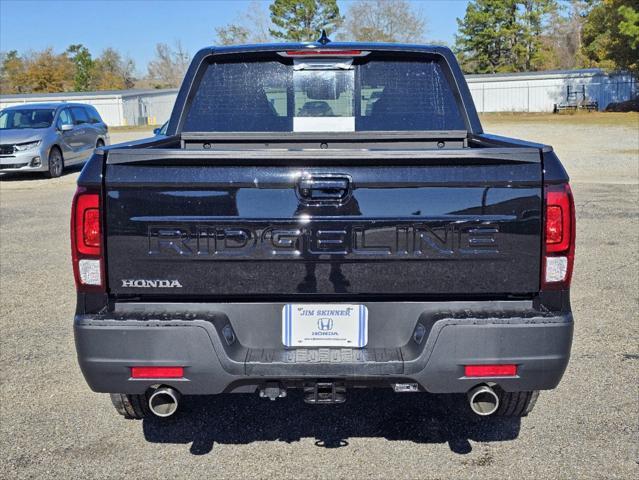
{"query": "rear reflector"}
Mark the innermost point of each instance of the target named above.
(508, 370)
(157, 372)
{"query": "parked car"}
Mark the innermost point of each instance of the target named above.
(46, 137)
(251, 249)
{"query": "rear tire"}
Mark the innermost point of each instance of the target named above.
(130, 406)
(56, 163)
(516, 404)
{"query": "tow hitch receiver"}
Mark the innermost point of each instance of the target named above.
(272, 391)
(324, 393)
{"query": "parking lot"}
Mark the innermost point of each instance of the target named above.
(53, 425)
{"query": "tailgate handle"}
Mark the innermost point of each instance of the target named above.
(323, 189)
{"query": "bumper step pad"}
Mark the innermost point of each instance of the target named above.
(324, 361)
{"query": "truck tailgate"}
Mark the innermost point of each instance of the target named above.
(436, 223)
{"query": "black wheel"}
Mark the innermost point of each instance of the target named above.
(99, 143)
(516, 404)
(56, 163)
(130, 406)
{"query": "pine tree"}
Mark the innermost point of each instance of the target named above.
(302, 20)
(505, 35)
(84, 65)
(532, 51)
(486, 36)
(611, 35)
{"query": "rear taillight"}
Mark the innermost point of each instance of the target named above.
(86, 241)
(559, 237)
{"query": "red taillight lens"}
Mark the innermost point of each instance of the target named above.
(559, 217)
(91, 228)
(157, 372)
(559, 237)
(87, 222)
(554, 225)
(508, 370)
(86, 241)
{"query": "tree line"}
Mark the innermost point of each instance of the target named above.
(72, 70)
(76, 70)
(493, 36)
(528, 35)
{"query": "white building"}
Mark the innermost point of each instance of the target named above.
(510, 92)
(540, 91)
(117, 108)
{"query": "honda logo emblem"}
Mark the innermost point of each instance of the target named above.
(325, 324)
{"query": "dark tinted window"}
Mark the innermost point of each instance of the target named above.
(407, 95)
(373, 95)
(94, 117)
(241, 97)
(79, 115)
(26, 118)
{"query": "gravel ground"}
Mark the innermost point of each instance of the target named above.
(53, 426)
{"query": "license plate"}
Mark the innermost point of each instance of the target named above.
(324, 325)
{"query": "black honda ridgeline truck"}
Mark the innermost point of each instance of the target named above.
(323, 216)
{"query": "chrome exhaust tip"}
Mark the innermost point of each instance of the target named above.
(164, 401)
(483, 400)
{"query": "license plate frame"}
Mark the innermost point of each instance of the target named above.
(306, 325)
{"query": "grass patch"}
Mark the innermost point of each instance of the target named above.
(577, 118)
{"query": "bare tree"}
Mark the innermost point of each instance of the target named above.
(251, 26)
(566, 32)
(169, 66)
(112, 71)
(383, 21)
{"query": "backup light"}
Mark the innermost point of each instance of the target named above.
(90, 271)
(556, 269)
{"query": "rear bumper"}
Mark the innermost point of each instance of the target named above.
(236, 347)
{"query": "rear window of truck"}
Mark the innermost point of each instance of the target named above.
(324, 95)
